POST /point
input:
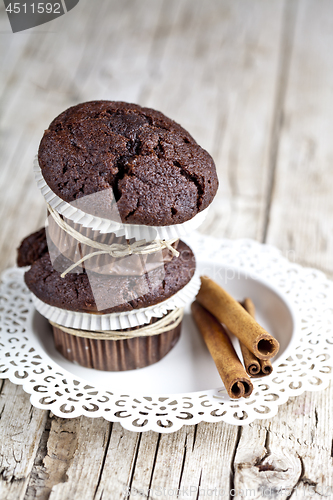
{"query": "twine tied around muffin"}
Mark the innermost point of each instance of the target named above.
(165, 324)
(116, 249)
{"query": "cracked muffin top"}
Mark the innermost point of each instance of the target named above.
(158, 174)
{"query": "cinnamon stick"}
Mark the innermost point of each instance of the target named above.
(231, 370)
(254, 366)
(266, 367)
(251, 362)
(249, 307)
(229, 312)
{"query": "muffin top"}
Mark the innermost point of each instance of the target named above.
(92, 293)
(158, 174)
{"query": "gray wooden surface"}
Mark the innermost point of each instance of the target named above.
(252, 81)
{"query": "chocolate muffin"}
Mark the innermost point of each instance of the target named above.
(32, 248)
(157, 174)
(77, 292)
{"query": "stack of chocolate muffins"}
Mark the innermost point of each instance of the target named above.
(109, 271)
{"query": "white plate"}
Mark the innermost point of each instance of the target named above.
(188, 367)
(292, 302)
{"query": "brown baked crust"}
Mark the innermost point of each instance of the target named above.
(74, 293)
(158, 173)
(32, 248)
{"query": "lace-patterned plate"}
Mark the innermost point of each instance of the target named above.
(293, 302)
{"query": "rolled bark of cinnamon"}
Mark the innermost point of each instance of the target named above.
(254, 366)
(251, 362)
(231, 370)
(229, 312)
(266, 367)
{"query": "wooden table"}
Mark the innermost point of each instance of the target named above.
(252, 81)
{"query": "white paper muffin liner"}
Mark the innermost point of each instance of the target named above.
(118, 321)
(139, 232)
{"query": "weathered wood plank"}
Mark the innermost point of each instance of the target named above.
(143, 464)
(217, 76)
(182, 463)
(81, 453)
(302, 197)
(290, 454)
(70, 449)
(21, 427)
(36, 487)
(209, 461)
(299, 440)
(166, 462)
(118, 464)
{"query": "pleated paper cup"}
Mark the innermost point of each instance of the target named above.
(65, 250)
(116, 355)
(103, 225)
(122, 320)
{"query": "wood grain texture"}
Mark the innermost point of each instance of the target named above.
(21, 427)
(301, 435)
(252, 83)
(302, 187)
(294, 453)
